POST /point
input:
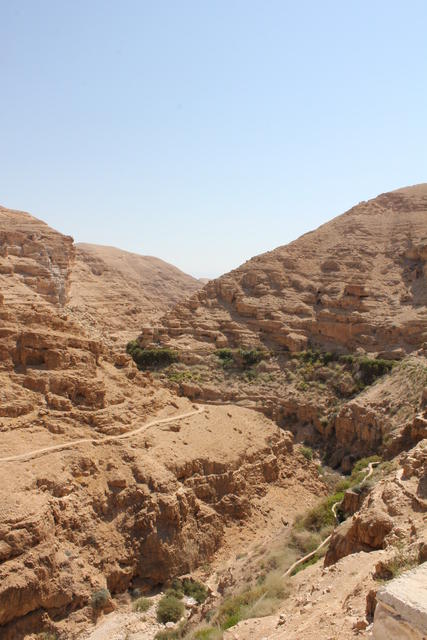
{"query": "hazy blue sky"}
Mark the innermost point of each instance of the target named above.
(207, 132)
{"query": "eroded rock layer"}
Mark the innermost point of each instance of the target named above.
(323, 314)
(357, 281)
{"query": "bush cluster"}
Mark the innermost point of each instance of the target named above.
(155, 357)
(320, 516)
(142, 605)
(253, 602)
(243, 358)
(191, 588)
(99, 599)
(169, 609)
(371, 369)
(307, 452)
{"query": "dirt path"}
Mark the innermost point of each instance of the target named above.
(369, 469)
(106, 439)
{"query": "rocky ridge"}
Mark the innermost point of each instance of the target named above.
(319, 313)
(102, 512)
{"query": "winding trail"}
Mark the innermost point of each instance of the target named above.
(369, 469)
(105, 439)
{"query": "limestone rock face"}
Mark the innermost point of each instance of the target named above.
(102, 514)
(121, 501)
(401, 612)
(356, 287)
(382, 519)
(358, 281)
(39, 258)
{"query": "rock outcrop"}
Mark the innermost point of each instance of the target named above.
(357, 282)
(323, 314)
(102, 512)
(401, 611)
(118, 292)
(382, 520)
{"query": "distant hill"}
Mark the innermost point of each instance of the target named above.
(121, 291)
(358, 281)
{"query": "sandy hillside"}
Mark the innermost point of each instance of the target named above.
(119, 291)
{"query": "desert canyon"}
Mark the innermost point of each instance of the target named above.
(253, 448)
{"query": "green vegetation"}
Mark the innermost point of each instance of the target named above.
(253, 602)
(403, 560)
(315, 558)
(155, 357)
(250, 357)
(183, 376)
(207, 633)
(224, 354)
(240, 358)
(142, 605)
(191, 588)
(99, 599)
(174, 593)
(169, 609)
(358, 474)
(346, 374)
(320, 516)
(307, 452)
(195, 589)
(226, 357)
(47, 635)
(317, 357)
(371, 369)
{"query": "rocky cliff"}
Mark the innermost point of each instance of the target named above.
(108, 480)
(303, 332)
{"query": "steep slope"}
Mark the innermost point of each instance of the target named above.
(302, 332)
(118, 291)
(358, 281)
(106, 478)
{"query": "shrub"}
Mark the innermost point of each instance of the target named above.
(313, 357)
(155, 357)
(305, 541)
(183, 376)
(373, 368)
(403, 560)
(191, 588)
(142, 605)
(195, 589)
(99, 599)
(361, 464)
(226, 357)
(224, 354)
(307, 452)
(250, 357)
(250, 375)
(169, 609)
(47, 635)
(174, 592)
(253, 602)
(320, 516)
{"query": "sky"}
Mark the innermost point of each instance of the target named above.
(204, 132)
